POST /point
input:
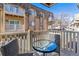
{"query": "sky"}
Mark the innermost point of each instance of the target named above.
(68, 8)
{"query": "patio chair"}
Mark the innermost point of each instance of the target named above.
(11, 49)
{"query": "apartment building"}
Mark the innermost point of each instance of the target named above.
(22, 17)
(75, 23)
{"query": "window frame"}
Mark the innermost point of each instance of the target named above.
(14, 24)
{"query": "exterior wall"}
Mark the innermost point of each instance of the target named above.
(37, 23)
(38, 18)
(24, 20)
(46, 24)
(75, 23)
(9, 17)
(13, 16)
(32, 18)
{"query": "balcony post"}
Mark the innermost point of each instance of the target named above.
(29, 41)
(3, 23)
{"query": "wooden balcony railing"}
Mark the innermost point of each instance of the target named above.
(69, 40)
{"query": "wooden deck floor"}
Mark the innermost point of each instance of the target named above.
(62, 53)
(68, 53)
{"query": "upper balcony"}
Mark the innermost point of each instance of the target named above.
(14, 10)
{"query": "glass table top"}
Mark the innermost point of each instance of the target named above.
(44, 45)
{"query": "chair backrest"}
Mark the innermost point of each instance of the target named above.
(10, 49)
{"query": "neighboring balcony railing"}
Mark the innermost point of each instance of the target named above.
(9, 9)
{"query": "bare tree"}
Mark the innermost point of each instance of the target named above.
(62, 20)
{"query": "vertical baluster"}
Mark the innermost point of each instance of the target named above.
(38, 38)
(26, 45)
(24, 42)
(76, 39)
(3, 40)
(63, 36)
(61, 40)
(66, 38)
(6, 39)
(34, 38)
(20, 44)
(77, 42)
(70, 40)
(0, 50)
(18, 38)
(29, 41)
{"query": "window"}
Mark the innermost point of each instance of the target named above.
(16, 22)
(11, 22)
(12, 25)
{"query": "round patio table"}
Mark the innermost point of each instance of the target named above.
(44, 46)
